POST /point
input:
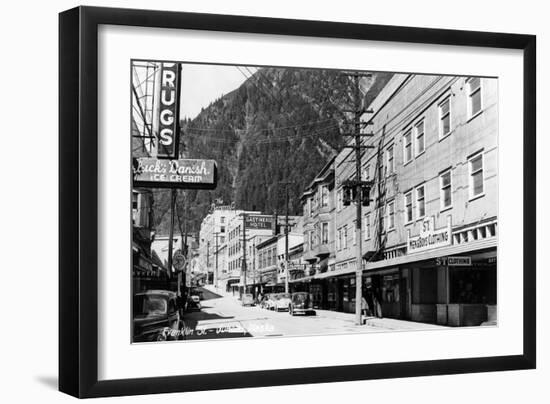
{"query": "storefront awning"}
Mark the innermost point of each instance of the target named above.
(456, 249)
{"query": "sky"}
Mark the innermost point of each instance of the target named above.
(202, 84)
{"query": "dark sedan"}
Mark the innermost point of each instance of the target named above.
(301, 302)
(156, 316)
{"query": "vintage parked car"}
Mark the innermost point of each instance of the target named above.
(248, 300)
(270, 302)
(281, 301)
(264, 303)
(193, 302)
(301, 302)
(156, 316)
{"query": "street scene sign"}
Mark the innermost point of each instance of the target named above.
(183, 173)
(429, 237)
(454, 261)
(169, 111)
(178, 261)
(258, 222)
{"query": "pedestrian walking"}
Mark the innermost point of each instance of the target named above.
(364, 306)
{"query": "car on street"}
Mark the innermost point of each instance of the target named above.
(247, 299)
(301, 302)
(265, 302)
(270, 301)
(281, 301)
(193, 302)
(156, 316)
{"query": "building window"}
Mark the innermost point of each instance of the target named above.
(339, 203)
(419, 136)
(391, 215)
(475, 165)
(408, 207)
(222, 229)
(222, 219)
(474, 96)
(367, 227)
(324, 233)
(324, 196)
(420, 202)
(354, 233)
(445, 189)
(407, 147)
(366, 172)
(309, 207)
(445, 118)
(311, 241)
(339, 240)
(345, 237)
(390, 160)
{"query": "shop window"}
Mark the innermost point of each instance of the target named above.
(390, 288)
(473, 285)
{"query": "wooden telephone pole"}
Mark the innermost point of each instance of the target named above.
(357, 185)
(243, 264)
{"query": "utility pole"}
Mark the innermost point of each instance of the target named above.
(357, 185)
(216, 268)
(286, 240)
(286, 184)
(358, 238)
(173, 195)
(243, 264)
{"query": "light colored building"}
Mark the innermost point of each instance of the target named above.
(160, 244)
(430, 232)
(213, 232)
(259, 227)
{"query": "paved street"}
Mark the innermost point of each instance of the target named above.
(222, 316)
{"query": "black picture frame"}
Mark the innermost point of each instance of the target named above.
(78, 207)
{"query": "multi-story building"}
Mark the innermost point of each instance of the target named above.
(259, 228)
(319, 204)
(429, 234)
(212, 236)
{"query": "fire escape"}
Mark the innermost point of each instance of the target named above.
(144, 78)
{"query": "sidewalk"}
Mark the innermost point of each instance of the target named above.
(386, 323)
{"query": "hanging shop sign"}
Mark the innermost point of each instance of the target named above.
(183, 173)
(429, 237)
(168, 118)
(454, 261)
(258, 222)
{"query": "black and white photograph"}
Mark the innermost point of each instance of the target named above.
(276, 201)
